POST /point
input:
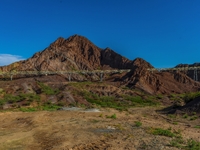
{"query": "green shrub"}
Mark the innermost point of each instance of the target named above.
(138, 123)
(177, 142)
(23, 109)
(187, 145)
(45, 107)
(50, 107)
(48, 90)
(1, 90)
(175, 123)
(185, 116)
(171, 116)
(61, 104)
(163, 132)
(94, 121)
(120, 103)
(191, 96)
(138, 101)
(101, 115)
(11, 99)
(112, 116)
(159, 96)
(30, 97)
(194, 113)
(21, 97)
(103, 101)
(194, 117)
(2, 102)
(192, 145)
(198, 127)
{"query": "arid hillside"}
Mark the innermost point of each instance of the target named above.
(78, 53)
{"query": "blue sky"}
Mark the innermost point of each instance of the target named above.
(163, 32)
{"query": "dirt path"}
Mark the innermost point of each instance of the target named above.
(73, 130)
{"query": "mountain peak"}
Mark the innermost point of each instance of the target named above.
(58, 42)
(74, 38)
(141, 63)
(77, 38)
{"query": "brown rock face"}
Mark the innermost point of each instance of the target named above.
(191, 73)
(158, 82)
(74, 53)
(110, 59)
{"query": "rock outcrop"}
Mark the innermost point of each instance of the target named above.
(192, 106)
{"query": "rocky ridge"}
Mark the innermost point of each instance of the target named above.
(74, 53)
(78, 53)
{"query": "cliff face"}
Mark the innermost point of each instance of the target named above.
(191, 73)
(78, 53)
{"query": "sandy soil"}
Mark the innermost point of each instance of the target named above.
(77, 130)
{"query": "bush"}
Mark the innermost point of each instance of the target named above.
(192, 145)
(187, 145)
(138, 101)
(163, 132)
(191, 96)
(171, 116)
(21, 97)
(48, 90)
(27, 109)
(2, 102)
(198, 127)
(194, 117)
(120, 104)
(103, 101)
(185, 116)
(50, 107)
(112, 116)
(138, 124)
(11, 99)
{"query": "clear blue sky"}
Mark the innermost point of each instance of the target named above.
(163, 32)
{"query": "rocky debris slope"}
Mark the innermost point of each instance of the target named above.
(192, 106)
(156, 82)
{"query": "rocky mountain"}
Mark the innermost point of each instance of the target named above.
(78, 53)
(74, 53)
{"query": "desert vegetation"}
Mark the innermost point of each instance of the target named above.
(125, 114)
